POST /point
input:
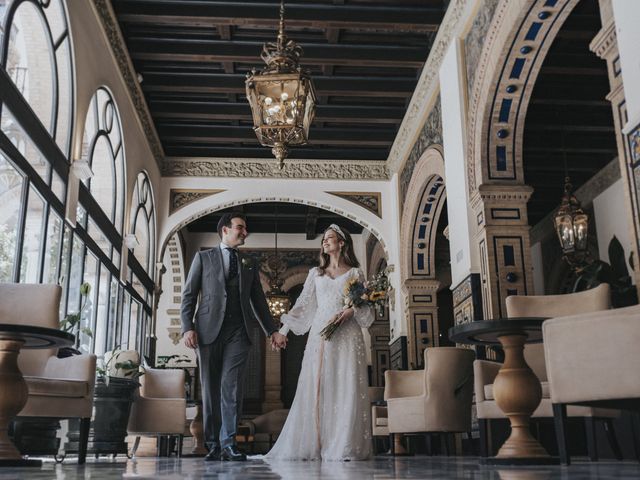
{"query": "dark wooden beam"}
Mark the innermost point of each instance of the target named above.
(172, 132)
(214, 13)
(314, 54)
(258, 152)
(198, 110)
(226, 83)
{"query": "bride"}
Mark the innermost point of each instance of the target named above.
(330, 415)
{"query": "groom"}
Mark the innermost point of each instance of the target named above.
(231, 296)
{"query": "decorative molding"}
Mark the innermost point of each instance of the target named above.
(371, 201)
(252, 168)
(110, 25)
(431, 134)
(178, 197)
(605, 41)
(458, 14)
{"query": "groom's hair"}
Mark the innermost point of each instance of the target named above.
(225, 220)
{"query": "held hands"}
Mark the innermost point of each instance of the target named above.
(190, 339)
(278, 341)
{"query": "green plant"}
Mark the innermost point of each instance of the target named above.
(119, 368)
(72, 322)
(616, 274)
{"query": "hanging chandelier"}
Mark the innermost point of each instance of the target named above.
(572, 226)
(278, 301)
(282, 96)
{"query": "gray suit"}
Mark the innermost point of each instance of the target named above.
(224, 311)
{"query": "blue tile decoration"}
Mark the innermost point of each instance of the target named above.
(518, 65)
(501, 158)
(505, 108)
(533, 31)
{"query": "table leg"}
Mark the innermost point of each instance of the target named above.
(13, 397)
(518, 393)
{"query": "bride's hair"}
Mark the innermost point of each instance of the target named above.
(347, 253)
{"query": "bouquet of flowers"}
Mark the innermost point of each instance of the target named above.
(373, 292)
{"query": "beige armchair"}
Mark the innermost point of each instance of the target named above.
(592, 360)
(58, 387)
(485, 371)
(160, 408)
(379, 420)
(434, 400)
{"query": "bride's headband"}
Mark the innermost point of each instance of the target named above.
(337, 229)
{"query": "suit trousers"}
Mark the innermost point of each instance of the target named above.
(222, 369)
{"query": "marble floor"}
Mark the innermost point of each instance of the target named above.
(381, 468)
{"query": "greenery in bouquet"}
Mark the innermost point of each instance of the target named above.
(357, 294)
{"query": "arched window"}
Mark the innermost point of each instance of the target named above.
(36, 54)
(143, 223)
(102, 147)
(36, 99)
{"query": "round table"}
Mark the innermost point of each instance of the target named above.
(13, 388)
(516, 388)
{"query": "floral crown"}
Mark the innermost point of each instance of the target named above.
(337, 229)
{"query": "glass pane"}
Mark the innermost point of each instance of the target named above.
(64, 120)
(23, 143)
(126, 316)
(75, 276)
(90, 277)
(96, 234)
(58, 187)
(133, 323)
(11, 184)
(53, 249)
(137, 285)
(66, 256)
(29, 62)
(116, 292)
(81, 216)
(141, 250)
(56, 17)
(33, 236)
(102, 184)
(102, 316)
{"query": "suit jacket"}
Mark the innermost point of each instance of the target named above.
(206, 278)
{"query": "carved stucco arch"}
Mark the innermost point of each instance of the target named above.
(207, 205)
(515, 47)
(428, 173)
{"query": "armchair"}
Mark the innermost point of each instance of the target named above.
(485, 371)
(434, 400)
(160, 408)
(592, 360)
(58, 387)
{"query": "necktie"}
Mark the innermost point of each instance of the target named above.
(233, 263)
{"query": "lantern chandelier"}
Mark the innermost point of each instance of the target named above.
(278, 301)
(282, 96)
(572, 226)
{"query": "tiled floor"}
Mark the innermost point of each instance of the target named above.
(381, 468)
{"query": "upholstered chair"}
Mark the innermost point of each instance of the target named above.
(485, 372)
(160, 408)
(379, 421)
(592, 360)
(434, 400)
(58, 387)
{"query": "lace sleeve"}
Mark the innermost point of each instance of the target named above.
(363, 315)
(299, 318)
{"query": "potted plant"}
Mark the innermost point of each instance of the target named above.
(115, 390)
(72, 323)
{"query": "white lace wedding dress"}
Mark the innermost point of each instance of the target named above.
(330, 415)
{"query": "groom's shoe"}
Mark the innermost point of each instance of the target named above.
(213, 455)
(233, 454)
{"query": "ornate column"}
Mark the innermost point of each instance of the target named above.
(422, 311)
(272, 379)
(605, 45)
(503, 241)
